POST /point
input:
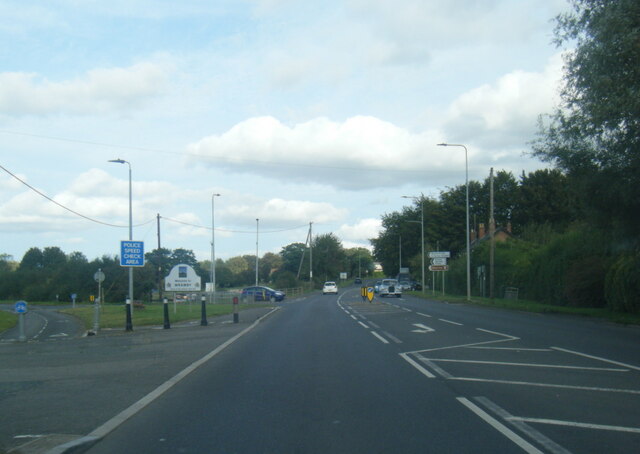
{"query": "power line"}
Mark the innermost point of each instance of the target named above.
(233, 231)
(40, 193)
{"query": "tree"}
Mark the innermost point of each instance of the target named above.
(594, 135)
(328, 257)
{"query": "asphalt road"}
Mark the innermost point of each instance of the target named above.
(43, 323)
(336, 374)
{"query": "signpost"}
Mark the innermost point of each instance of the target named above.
(21, 309)
(439, 263)
(99, 278)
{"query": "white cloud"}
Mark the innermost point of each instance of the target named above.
(98, 91)
(282, 212)
(363, 230)
(361, 152)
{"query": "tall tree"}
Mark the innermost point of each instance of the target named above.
(594, 135)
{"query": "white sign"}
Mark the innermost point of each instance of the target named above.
(439, 261)
(182, 278)
(439, 255)
(343, 276)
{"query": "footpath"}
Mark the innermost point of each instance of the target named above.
(54, 394)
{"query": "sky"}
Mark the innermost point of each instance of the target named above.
(295, 112)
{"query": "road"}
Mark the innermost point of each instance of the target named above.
(336, 374)
(43, 323)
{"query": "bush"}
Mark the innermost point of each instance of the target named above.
(622, 285)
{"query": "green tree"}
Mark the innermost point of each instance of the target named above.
(328, 257)
(594, 135)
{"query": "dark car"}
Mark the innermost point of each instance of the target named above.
(260, 293)
(357, 281)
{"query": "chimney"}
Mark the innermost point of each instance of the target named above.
(481, 231)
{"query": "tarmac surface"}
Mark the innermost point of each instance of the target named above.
(55, 392)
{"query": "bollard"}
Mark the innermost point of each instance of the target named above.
(235, 310)
(165, 303)
(203, 313)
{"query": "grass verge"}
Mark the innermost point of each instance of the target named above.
(7, 320)
(113, 316)
(533, 306)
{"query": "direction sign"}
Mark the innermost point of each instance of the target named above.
(439, 255)
(132, 253)
(370, 293)
(21, 307)
(439, 261)
(438, 267)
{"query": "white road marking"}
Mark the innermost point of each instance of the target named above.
(597, 358)
(353, 317)
(422, 370)
(504, 430)
(406, 310)
(46, 323)
(549, 385)
(363, 325)
(543, 440)
(382, 339)
(518, 349)
(424, 315)
(464, 345)
(392, 337)
(422, 328)
(497, 333)
(376, 326)
(449, 321)
(550, 366)
(580, 425)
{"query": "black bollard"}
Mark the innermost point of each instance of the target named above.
(203, 318)
(165, 303)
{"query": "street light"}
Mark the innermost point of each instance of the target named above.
(213, 249)
(129, 324)
(466, 182)
(421, 198)
(257, 227)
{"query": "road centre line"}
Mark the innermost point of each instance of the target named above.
(449, 321)
(46, 323)
(550, 366)
(406, 310)
(580, 425)
(504, 430)
(424, 315)
(363, 325)
(376, 326)
(543, 440)
(617, 363)
(392, 337)
(380, 338)
(353, 317)
(548, 385)
(419, 367)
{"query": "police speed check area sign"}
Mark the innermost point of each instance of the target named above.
(132, 253)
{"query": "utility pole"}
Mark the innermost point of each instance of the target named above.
(159, 261)
(310, 253)
(257, 230)
(492, 229)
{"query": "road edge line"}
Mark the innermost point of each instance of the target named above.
(101, 431)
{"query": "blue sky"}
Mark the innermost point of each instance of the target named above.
(296, 112)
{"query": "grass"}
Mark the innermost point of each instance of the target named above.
(7, 320)
(113, 316)
(533, 306)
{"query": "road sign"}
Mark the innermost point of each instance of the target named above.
(438, 267)
(439, 261)
(21, 307)
(182, 278)
(439, 255)
(370, 293)
(132, 253)
(99, 276)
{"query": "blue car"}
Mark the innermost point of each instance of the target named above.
(260, 293)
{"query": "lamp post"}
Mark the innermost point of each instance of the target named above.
(257, 227)
(129, 324)
(421, 198)
(213, 249)
(466, 182)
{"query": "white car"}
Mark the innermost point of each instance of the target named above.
(329, 287)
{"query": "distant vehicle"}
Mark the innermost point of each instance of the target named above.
(357, 281)
(406, 285)
(376, 287)
(329, 287)
(260, 293)
(390, 287)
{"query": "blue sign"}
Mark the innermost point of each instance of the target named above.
(132, 253)
(21, 307)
